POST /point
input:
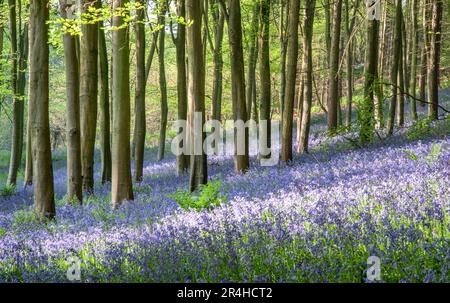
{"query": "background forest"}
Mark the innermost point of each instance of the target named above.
(90, 90)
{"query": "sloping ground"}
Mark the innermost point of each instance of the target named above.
(316, 220)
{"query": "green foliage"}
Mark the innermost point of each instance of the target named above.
(8, 190)
(411, 155)
(435, 152)
(420, 128)
(25, 217)
(433, 155)
(207, 197)
(2, 232)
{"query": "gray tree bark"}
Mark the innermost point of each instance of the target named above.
(180, 43)
(395, 65)
(264, 70)
(44, 201)
(162, 81)
(121, 187)
(196, 94)
(434, 59)
(307, 70)
(291, 72)
(139, 101)
(74, 180)
(88, 95)
(104, 109)
(333, 69)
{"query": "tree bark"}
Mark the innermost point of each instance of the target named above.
(139, 108)
(241, 161)
(44, 201)
(415, 41)
(284, 11)
(395, 65)
(121, 188)
(286, 136)
(180, 43)
(162, 81)
(104, 109)
(333, 69)
(74, 180)
(434, 58)
(219, 21)
(21, 78)
(15, 156)
(264, 71)
(366, 112)
(196, 95)
(307, 70)
(424, 54)
(252, 56)
(88, 95)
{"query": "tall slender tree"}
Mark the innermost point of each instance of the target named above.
(424, 52)
(264, 70)
(282, 33)
(44, 200)
(252, 56)
(104, 108)
(233, 17)
(88, 93)
(218, 22)
(180, 44)
(121, 187)
(196, 95)
(139, 99)
(162, 9)
(15, 158)
(366, 112)
(349, 26)
(308, 75)
(333, 69)
(291, 72)
(22, 73)
(397, 51)
(434, 59)
(74, 183)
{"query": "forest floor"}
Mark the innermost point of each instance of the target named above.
(318, 219)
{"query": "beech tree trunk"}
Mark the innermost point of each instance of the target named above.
(434, 58)
(424, 53)
(284, 11)
(333, 80)
(196, 95)
(74, 180)
(264, 71)
(180, 43)
(307, 70)
(218, 21)
(121, 189)
(14, 161)
(241, 162)
(291, 72)
(252, 56)
(395, 65)
(366, 112)
(88, 95)
(44, 201)
(139, 107)
(104, 109)
(162, 81)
